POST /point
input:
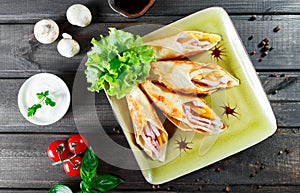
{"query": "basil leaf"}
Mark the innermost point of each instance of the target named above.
(106, 182)
(59, 188)
(88, 167)
(84, 191)
(83, 187)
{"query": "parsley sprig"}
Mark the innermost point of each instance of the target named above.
(43, 96)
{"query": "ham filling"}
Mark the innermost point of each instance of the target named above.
(151, 137)
(187, 41)
(208, 79)
(197, 121)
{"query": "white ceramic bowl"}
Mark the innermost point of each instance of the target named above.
(58, 92)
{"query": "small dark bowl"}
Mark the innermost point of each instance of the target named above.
(124, 8)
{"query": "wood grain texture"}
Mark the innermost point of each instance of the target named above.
(24, 164)
(196, 188)
(285, 104)
(21, 55)
(33, 10)
(285, 88)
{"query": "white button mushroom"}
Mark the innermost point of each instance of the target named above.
(68, 47)
(79, 15)
(46, 31)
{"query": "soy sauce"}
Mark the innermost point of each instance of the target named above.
(131, 6)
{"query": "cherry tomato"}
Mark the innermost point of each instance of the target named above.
(57, 150)
(77, 143)
(72, 167)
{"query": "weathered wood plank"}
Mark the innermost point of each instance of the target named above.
(21, 55)
(195, 188)
(285, 104)
(23, 161)
(284, 46)
(22, 190)
(23, 156)
(31, 11)
(284, 87)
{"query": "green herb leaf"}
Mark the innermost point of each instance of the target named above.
(82, 186)
(43, 97)
(59, 188)
(46, 93)
(32, 110)
(106, 182)
(50, 102)
(117, 62)
(88, 168)
(42, 94)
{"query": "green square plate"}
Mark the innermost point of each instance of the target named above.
(252, 122)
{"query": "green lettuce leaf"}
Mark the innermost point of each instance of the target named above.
(117, 62)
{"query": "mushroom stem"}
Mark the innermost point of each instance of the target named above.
(68, 47)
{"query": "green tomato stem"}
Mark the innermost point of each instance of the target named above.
(65, 160)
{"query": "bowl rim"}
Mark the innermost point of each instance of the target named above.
(129, 15)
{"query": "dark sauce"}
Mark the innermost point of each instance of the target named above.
(131, 6)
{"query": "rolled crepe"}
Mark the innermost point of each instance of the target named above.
(189, 113)
(183, 44)
(192, 77)
(149, 132)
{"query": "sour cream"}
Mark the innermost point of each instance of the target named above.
(58, 92)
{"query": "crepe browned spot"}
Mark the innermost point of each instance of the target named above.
(187, 112)
(183, 44)
(192, 77)
(149, 132)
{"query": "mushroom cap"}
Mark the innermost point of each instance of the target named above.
(46, 31)
(79, 15)
(68, 47)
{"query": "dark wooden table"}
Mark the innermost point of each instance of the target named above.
(24, 165)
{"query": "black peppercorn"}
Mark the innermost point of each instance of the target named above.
(266, 40)
(265, 48)
(258, 186)
(287, 151)
(252, 52)
(273, 75)
(252, 18)
(253, 174)
(218, 169)
(282, 75)
(277, 28)
(264, 54)
(262, 43)
(227, 189)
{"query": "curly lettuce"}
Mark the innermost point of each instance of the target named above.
(117, 62)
